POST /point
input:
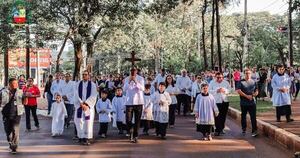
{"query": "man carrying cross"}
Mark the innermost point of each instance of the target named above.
(134, 88)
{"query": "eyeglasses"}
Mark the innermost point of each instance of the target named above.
(219, 77)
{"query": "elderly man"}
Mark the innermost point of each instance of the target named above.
(134, 88)
(184, 84)
(12, 110)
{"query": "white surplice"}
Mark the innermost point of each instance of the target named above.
(85, 127)
(104, 110)
(279, 98)
(119, 108)
(207, 109)
(161, 111)
(147, 113)
(58, 114)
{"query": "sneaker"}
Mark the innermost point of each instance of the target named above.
(254, 134)
(209, 137)
(127, 135)
(204, 138)
(53, 135)
(222, 132)
(244, 132)
(13, 151)
(87, 143)
(28, 130)
(290, 120)
(75, 138)
(103, 136)
(36, 128)
(135, 140)
(217, 133)
(171, 126)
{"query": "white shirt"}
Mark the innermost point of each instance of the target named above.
(56, 87)
(219, 97)
(173, 90)
(134, 91)
(184, 84)
(159, 78)
(68, 89)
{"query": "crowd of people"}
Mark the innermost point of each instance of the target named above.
(135, 100)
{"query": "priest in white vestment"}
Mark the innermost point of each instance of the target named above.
(84, 101)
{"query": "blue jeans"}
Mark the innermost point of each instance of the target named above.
(50, 101)
(70, 111)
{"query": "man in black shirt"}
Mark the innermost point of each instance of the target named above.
(12, 109)
(247, 89)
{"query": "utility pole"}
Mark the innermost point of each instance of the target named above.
(245, 46)
(27, 51)
(291, 54)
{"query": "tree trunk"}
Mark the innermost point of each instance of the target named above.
(61, 50)
(212, 35)
(203, 35)
(78, 59)
(281, 55)
(218, 36)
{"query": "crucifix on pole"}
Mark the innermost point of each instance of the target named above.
(133, 59)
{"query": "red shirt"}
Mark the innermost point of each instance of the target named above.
(34, 90)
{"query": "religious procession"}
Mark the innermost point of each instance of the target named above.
(149, 78)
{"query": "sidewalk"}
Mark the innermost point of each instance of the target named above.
(293, 127)
(286, 134)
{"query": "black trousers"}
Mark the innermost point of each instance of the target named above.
(172, 109)
(297, 89)
(103, 128)
(185, 100)
(12, 130)
(283, 110)
(221, 118)
(135, 110)
(146, 124)
(252, 112)
(35, 118)
(161, 128)
(204, 129)
(70, 111)
(121, 127)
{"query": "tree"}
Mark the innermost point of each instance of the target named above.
(87, 19)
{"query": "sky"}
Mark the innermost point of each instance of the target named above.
(273, 6)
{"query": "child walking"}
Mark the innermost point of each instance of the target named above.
(205, 110)
(58, 114)
(104, 110)
(161, 102)
(147, 115)
(119, 108)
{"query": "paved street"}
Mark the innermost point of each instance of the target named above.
(182, 142)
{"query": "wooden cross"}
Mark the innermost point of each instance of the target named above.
(133, 59)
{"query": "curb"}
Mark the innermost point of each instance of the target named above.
(281, 136)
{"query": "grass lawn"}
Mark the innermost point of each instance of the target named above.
(262, 106)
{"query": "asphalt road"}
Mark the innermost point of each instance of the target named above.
(182, 141)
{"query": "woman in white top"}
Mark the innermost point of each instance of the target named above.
(173, 91)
